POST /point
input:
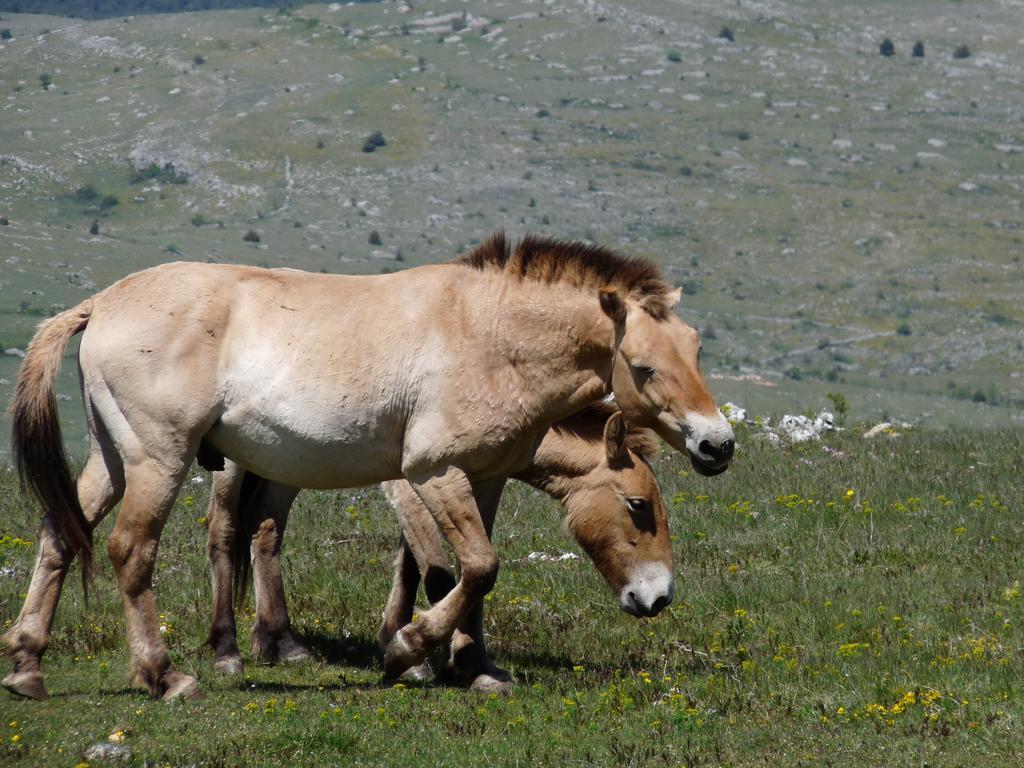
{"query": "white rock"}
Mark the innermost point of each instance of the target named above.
(733, 413)
(796, 162)
(799, 429)
(116, 753)
(14, 352)
(825, 422)
(878, 429)
(842, 143)
(547, 558)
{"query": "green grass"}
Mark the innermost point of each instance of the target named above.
(835, 603)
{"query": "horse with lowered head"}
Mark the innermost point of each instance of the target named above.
(593, 463)
(445, 375)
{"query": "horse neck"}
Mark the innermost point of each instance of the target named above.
(562, 463)
(559, 342)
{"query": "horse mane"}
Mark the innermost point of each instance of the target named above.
(589, 425)
(574, 262)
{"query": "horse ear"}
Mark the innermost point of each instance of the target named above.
(615, 432)
(613, 305)
(674, 297)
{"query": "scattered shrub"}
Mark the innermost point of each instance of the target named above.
(252, 236)
(5, 34)
(918, 52)
(86, 194)
(94, 229)
(839, 405)
(374, 238)
(963, 52)
(45, 80)
(199, 220)
(674, 55)
(887, 48)
(199, 60)
(109, 201)
(373, 141)
(726, 34)
(903, 329)
(167, 174)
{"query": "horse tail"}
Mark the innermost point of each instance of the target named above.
(244, 531)
(36, 443)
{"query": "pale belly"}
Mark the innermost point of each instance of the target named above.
(310, 436)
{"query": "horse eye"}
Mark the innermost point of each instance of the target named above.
(636, 504)
(644, 370)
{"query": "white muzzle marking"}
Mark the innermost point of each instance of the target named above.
(649, 590)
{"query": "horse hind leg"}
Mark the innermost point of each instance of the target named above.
(150, 492)
(267, 512)
(99, 487)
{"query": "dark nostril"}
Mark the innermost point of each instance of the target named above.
(722, 452)
(659, 605)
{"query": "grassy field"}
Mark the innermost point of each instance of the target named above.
(852, 602)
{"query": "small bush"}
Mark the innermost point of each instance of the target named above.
(198, 220)
(94, 229)
(887, 48)
(45, 80)
(5, 34)
(252, 236)
(374, 238)
(167, 174)
(109, 201)
(918, 52)
(963, 52)
(674, 56)
(86, 194)
(373, 141)
(903, 329)
(198, 60)
(726, 34)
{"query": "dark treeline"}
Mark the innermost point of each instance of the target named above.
(101, 9)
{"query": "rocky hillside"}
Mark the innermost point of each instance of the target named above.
(840, 221)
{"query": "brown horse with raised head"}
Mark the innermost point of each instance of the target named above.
(445, 375)
(594, 464)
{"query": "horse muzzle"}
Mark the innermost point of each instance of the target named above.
(648, 592)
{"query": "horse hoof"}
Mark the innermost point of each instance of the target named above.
(488, 683)
(400, 656)
(229, 665)
(180, 686)
(27, 684)
(421, 673)
(291, 651)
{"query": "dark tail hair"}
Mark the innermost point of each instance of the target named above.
(36, 443)
(244, 532)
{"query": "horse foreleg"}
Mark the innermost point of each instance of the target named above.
(468, 659)
(453, 502)
(222, 519)
(420, 553)
(100, 487)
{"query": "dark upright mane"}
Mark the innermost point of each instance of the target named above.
(574, 262)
